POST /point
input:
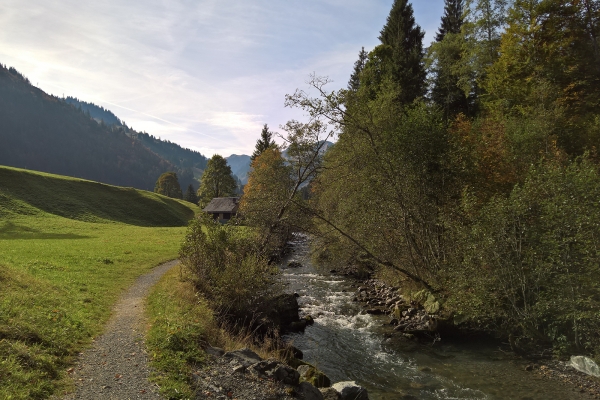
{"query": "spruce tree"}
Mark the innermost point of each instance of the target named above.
(406, 40)
(354, 81)
(447, 55)
(452, 19)
(263, 143)
(190, 195)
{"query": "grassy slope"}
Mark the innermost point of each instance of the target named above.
(68, 247)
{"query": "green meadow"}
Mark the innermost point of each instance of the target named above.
(68, 248)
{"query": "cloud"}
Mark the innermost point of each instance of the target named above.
(205, 74)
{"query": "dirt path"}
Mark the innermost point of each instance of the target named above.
(116, 367)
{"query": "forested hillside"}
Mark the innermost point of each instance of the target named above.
(190, 162)
(46, 133)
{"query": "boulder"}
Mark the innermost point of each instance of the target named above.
(294, 264)
(307, 391)
(275, 369)
(309, 373)
(330, 394)
(296, 326)
(245, 357)
(295, 352)
(265, 367)
(286, 375)
(349, 390)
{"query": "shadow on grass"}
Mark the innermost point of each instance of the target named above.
(11, 231)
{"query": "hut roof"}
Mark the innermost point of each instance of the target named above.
(222, 205)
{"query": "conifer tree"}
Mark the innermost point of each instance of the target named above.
(263, 143)
(446, 56)
(406, 40)
(190, 195)
(354, 81)
(452, 19)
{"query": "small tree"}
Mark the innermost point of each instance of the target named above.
(168, 185)
(263, 143)
(190, 195)
(217, 180)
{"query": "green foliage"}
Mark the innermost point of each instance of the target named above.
(269, 189)
(359, 65)
(168, 185)
(405, 38)
(217, 181)
(452, 19)
(446, 63)
(263, 143)
(219, 257)
(530, 260)
(190, 195)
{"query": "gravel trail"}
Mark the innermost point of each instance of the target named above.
(116, 367)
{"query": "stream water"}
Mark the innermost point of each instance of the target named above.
(348, 344)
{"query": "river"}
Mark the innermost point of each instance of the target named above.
(348, 344)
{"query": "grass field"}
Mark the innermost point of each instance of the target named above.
(68, 248)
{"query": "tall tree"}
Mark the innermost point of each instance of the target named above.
(168, 185)
(452, 19)
(406, 40)
(217, 180)
(359, 65)
(263, 143)
(446, 59)
(190, 195)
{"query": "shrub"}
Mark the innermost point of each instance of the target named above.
(530, 261)
(224, 264)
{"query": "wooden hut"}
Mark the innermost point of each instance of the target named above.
(222, 208)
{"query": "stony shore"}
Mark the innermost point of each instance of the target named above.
(243, 375)
(412, 322)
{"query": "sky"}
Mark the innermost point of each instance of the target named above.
(206, 74)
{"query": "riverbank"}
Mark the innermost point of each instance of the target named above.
(409, 321)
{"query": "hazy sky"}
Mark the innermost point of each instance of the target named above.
(206, 74)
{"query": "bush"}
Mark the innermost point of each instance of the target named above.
(225, 265)
(530, 261)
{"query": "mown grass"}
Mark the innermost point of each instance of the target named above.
(68, 248)
(33, 193)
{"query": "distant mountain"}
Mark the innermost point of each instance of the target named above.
(45, 133)
(96, 112)
(240, 166)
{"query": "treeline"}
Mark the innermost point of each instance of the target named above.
(46, 133)
(97, 112)
(468, 170)
(472, 169)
